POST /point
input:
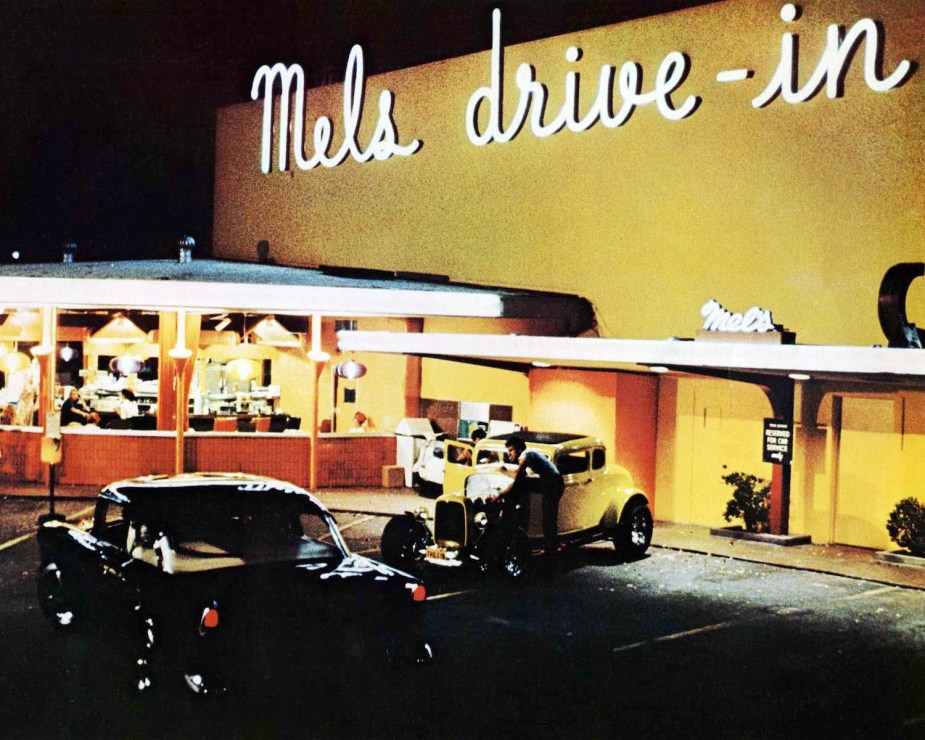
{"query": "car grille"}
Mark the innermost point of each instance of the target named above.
(450, 522)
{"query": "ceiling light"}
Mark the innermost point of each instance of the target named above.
(22, 326)
(14, 362)
(659, 369)
(242, 369)
(350, 370)
(67, 353)
(126, 365)
(119, 331)
(798, 376)
(270, 331)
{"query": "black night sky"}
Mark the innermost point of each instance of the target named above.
(109, 106)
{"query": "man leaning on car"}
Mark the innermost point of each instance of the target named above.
(549, 484)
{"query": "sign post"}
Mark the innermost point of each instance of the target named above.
(51, 454)
(778, 450)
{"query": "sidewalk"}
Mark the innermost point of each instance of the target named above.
(850, 562)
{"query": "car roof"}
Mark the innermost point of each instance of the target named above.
(146, 488)
(543, 439)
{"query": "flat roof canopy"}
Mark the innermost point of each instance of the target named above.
(517, 352)
(205, 285)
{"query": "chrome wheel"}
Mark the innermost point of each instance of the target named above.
(634, 534)
(514, 558)
(53, 599)
(404, 542)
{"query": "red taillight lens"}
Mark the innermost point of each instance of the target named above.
(209, 620)
(419, 593)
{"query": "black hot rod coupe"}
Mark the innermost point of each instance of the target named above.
(208, 574)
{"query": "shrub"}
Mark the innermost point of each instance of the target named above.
(906, 525)
(750, 501)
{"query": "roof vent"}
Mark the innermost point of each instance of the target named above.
(185, 245)
(263, 253)
(68, 249)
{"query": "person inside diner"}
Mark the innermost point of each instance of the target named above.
(128, 405)
(76, 411)
(359, 423)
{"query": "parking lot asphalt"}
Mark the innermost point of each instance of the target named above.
(850, 562)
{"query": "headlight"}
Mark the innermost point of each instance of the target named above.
(481, 520)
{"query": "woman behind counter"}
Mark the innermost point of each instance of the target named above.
(75, 411)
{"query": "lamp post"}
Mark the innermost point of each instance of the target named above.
(44, 354)
(318, 359)
(181, 355)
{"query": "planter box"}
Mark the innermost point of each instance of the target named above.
(900, 557)
(784, 540)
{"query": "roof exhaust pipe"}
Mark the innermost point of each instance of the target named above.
(185, 245)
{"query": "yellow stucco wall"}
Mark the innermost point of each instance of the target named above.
(774, 206)
(799, 208)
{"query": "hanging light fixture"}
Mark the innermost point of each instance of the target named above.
(120, 330)
(67, 353)
(270, 331)
(125, 365)
(350, 369)
(242, 369)
(14, 362)
(22, 326)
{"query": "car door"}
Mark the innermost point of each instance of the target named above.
(458, 464)
(95, 559)
(576, 507)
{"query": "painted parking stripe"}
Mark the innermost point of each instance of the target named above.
(674, 636)
(867, 594)
(361, 520)
(24, 537)
(449, 595)
(15, 541)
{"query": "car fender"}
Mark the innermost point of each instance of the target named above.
(619, 493)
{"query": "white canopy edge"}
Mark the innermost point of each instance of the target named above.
(192, 296)
(831, 362)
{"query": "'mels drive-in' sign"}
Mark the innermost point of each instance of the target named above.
(501, 110)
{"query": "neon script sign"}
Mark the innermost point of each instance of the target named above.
(755, 320)
(618, 94)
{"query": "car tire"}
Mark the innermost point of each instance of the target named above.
(403, 539)
(514, 557)
(634, 533)
(56, 603)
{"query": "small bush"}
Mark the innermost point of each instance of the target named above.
(906, 525)
(750, 501)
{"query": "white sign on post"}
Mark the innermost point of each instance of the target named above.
(53, 425)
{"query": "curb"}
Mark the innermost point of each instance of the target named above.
(783, 540)
(791, 566)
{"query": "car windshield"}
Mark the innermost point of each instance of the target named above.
(203, 533)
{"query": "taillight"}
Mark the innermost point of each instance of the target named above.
(418, 592)
(209, 619)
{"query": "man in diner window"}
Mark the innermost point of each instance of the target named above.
(75, 411)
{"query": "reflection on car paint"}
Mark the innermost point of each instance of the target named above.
(354, 565)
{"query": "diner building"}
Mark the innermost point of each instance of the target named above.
(697, 236)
